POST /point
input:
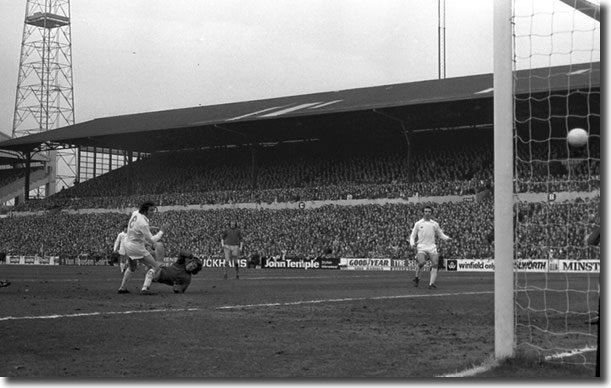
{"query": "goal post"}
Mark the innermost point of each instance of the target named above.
(503, 181)
(547, 190)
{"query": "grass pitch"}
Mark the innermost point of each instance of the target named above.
(69, 322)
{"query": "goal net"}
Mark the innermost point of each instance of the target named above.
(556, 186)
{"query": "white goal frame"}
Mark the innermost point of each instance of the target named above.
(504, 317)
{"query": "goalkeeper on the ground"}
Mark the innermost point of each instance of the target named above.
(178, 274)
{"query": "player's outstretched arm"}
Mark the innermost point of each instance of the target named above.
(159, 252)
(440, 233)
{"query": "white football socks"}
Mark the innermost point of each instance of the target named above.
(433, 275)
(148, 279)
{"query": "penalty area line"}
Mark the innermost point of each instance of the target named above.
(97, 313)
(319, 301)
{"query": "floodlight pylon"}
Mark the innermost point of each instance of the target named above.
(45, 92)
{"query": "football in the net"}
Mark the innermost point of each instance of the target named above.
(577, 137)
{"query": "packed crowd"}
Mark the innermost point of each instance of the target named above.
(556, 167)
(557, 231)
(314, 171)
(348, 231)
(311, 171)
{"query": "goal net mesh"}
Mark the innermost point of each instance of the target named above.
(556, 58)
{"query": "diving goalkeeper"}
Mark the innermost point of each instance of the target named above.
(178, 274)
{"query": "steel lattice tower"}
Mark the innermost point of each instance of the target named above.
(45, 94)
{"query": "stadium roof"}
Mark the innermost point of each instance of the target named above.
(446, 103)
(13, 157)
(6, 157)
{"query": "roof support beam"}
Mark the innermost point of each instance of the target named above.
(26, 180)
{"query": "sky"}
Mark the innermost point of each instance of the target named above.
(132, 56)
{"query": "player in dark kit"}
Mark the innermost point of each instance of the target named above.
(233, 245)
(179, 273)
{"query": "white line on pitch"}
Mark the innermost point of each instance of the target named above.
(317, 301)
(56, 316)
(491, 363)
(46, 280)
(570, 353)
(99, 313)
(486, 366)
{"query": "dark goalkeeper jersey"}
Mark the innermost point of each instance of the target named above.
(232, 236)
(175, 275)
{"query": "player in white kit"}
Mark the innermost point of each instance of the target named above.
(423, 237)
(119, 250)
(138, 237)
